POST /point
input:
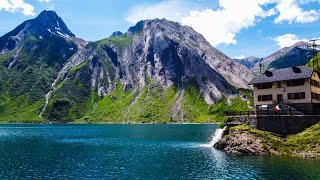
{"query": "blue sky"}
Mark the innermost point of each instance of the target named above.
(236, 27)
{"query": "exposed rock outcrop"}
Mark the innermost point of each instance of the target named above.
(250, 141)
(238, 142)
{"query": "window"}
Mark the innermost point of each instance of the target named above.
(293, 96)
(295, 82)
(265, 97)
(264, 86)
(315, 96)
(315, 83)
(279, 84)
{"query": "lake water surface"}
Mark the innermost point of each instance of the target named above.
(132, 152)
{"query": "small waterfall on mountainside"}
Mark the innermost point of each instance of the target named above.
(48, 95)
(215, 137)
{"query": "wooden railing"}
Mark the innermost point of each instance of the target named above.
(272, 113)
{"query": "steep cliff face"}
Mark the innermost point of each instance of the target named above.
(157, 65)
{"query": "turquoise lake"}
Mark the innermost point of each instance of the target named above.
(132, 152)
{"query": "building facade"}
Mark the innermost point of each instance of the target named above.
(296, 87)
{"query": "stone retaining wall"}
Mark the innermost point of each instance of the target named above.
(283, 125)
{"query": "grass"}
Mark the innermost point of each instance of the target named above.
(153, 103)
(19, 109)
(120, 41)
(73, 98)
(306, 141)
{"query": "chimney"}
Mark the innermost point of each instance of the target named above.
(269, 73)
(296, 69)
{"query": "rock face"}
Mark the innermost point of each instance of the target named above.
(156, 61)
(166, 52)
(249, 62)
(295, 55)
(48, 23)
(238, 142)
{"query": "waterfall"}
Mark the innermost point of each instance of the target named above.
(48, 95)
(73, 62)
(215, 137)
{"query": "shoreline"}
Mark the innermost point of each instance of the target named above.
(245, 140)
(102, 123)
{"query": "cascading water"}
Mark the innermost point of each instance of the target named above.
(215, 137)
(48, 95)
(62, 72)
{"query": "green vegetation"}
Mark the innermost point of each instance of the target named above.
(155, 104)
(74, 97)
(312, 63)
(294, 145)
(120, 41)
(19, 109)
(24, 85)
(150, 105)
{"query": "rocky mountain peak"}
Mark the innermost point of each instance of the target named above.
(49, 21)
(116, 34)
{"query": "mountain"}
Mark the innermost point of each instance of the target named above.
(158, 71)
(249, 62)
(295, 55)
(116, 34)
(30, 59)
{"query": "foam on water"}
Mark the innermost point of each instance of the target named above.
(214, 138)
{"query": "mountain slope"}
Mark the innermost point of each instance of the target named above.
(158, 71)
(295, 55)
(249, 62)
(30, 57)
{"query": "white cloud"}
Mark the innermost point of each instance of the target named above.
(17, 5)
(290, 11)
(288, 40)
(45, 1)
(221, 26)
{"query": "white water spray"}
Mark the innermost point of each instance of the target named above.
(215, 138)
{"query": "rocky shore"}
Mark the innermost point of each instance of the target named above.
(245, 140)
(238, 142)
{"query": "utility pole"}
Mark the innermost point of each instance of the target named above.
(314, 46)
(260, 65)
(307, 53)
